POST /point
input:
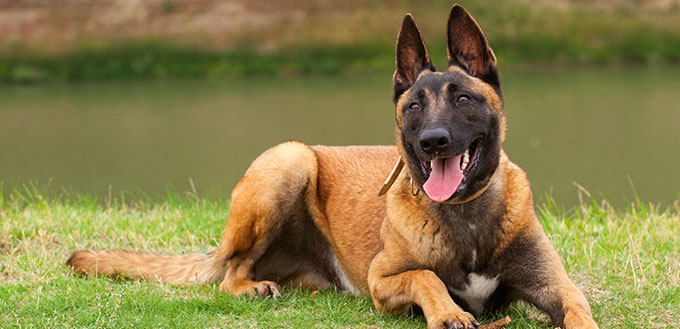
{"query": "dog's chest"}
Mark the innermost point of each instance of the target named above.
(470, 239)
(476, 290)
(466, 274)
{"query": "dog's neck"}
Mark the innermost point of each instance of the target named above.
(458, 225)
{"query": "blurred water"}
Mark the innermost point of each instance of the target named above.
(597, 127)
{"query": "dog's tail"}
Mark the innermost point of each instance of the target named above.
(172, 269)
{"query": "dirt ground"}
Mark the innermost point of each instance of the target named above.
(59, 25)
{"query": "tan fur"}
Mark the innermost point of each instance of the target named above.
(194, 269)
(400, 104)
(310, 216)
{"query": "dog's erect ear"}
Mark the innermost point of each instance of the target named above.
(468, 48)
(411, 56)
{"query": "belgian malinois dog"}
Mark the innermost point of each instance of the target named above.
(455, 232)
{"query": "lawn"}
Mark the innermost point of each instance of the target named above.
(626, 261)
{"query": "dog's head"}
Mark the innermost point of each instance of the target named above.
(450, 125)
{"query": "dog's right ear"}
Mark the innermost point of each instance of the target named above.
(411, 56)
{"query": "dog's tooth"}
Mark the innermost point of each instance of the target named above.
(466, 160)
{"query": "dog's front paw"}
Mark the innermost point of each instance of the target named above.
(262, 289)
(459, 320)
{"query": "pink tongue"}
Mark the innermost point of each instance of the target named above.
(444, 179)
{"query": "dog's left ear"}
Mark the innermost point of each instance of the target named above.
(468, 48)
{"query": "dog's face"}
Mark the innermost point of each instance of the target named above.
(450, 125)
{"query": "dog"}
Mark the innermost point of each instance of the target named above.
(453, 233)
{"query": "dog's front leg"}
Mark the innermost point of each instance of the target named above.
(566, 304)
(570, 307)
(395, 291)
(544, 282)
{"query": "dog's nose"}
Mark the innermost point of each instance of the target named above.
(434, 140)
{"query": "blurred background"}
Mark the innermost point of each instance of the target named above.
(136, 98)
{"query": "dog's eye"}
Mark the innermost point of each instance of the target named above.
(463, 98)
(414, 107)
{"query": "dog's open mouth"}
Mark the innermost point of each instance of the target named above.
(445, 176)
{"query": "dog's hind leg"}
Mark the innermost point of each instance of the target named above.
(266, 197)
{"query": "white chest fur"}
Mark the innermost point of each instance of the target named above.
(477, 291)
(344, 279)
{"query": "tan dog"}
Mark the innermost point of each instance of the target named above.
(456, 234)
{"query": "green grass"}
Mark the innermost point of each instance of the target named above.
(520, 33)
(627, 262)
(154, 59)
